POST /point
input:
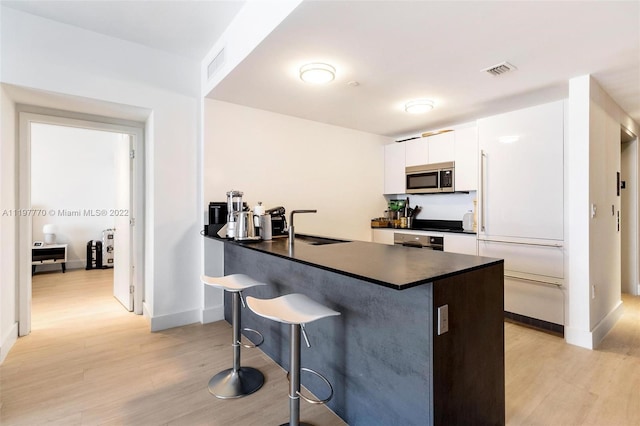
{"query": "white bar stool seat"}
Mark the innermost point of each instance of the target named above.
(296, 310)
(290, 309)
(237, 381)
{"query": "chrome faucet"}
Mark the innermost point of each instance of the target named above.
(292, 234)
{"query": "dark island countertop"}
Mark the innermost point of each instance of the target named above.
(396, 267)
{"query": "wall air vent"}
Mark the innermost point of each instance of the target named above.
(215, 64)
(500, 69)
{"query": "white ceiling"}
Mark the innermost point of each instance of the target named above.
(396, 50)
(399, 50)
(184, 27)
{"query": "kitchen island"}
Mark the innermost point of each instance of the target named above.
(383, 354)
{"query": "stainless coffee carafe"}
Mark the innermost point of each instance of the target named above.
(245, 227)
(234, 206)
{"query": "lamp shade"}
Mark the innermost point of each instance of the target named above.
(317, 73)
(49, 230)
(419, 106)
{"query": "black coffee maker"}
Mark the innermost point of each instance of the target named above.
(217, 217)
(278, 221)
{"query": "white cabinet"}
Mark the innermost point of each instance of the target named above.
(441, 147)
(521, 173)
(533, 278)
(394, 164)
(382, 236)
(461, 243)
(466, 158)
(544, 263)
(417, 152)
(432, 149)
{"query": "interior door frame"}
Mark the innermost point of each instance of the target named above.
(633, 237)
(24, 238)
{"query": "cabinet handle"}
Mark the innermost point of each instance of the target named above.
(534, 279)
(482, 190)
(492, 240)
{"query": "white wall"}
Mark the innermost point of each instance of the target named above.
(73, 172)
(8, 224)
(593, 242)
(42, 54)
(629, 219)
(296, 163)
(251, 25)
(441, 206)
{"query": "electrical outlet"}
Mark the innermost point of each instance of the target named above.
(443, 319)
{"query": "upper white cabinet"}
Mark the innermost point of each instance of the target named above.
(466, 158)
(417, 152)
(521, 176)
(460, 146)
(441, 147)
(432, 149)
(394, 164)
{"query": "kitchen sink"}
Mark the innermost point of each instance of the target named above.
(317, 241)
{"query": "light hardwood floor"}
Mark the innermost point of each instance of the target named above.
(88, 361)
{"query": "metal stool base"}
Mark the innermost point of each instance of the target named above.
(229, 384)
(301, 424)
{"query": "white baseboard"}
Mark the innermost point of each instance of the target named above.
(163, 322)
(8, 340)
(76, 264)
(213, 314)
(607, 323)
(591, 339)
(578, 337)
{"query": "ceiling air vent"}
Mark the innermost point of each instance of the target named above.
(215, 64)
(500, 69)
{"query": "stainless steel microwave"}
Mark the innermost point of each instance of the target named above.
(430, 178)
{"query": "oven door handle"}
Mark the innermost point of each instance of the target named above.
(415, 244)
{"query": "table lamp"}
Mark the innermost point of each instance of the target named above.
(49, 230)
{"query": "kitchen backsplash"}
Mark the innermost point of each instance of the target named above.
(441, 206)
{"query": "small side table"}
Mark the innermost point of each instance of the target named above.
(49, 253)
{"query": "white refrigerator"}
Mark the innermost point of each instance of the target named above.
(521, 206)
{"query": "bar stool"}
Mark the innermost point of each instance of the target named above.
(294, 309)
(237, 381)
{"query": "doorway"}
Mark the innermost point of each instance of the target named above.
(630, 257)
(77, 212)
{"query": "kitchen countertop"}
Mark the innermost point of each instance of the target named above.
(395, 267)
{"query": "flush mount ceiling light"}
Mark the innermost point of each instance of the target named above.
(419, 106)
(317, 73)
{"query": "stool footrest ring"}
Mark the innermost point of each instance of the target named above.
(253, 345)
(312, 400)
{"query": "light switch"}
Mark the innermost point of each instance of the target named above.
(594, 208)
(443, 319)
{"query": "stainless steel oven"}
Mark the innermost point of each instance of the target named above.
(430, 178)
(419, 241)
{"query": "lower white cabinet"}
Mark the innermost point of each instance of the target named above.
(461, 243)
(382, 236)
(533, 277)
(534, 299)
(542, 262)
